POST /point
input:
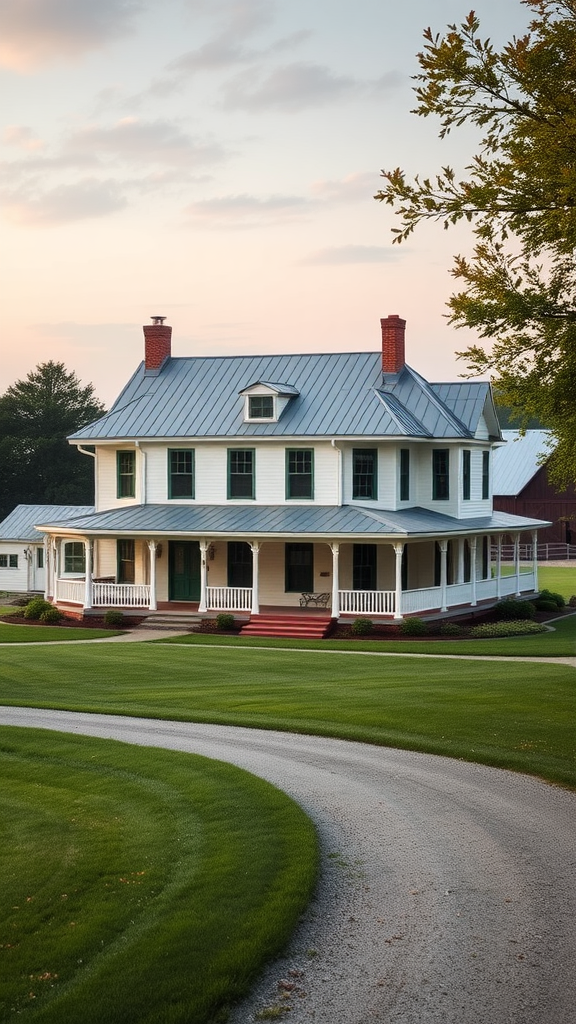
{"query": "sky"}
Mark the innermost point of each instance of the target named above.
(215, 162)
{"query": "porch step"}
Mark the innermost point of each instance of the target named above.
(170, 622)
(295, 626)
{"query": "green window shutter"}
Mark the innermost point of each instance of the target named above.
(485, 475)
(466, 475)
(404, 474)
(440, 474)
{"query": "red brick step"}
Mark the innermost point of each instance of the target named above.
(295, 626)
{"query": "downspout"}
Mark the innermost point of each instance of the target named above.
(339, 473)
(143, 473)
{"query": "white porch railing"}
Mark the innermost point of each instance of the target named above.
(71, 591)
(229, 599)
(120, 595)
(367, 602)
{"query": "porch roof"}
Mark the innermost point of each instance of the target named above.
(328, 521)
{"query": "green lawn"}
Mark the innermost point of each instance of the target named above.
(139, 885)
(513, 714)
(560, 579)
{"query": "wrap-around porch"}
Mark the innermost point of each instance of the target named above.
(462, 572)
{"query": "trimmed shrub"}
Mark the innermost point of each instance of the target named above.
(493, 630)
(362, 627)
(113, 617)
(451, 629)
(225, 622)
(543, 604)
(511, 609)
(52, 616)
(413, 627)
(549, 595)
(36, 607)
(572, 601)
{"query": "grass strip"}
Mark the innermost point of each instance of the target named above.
(140, 885)
(511, 714)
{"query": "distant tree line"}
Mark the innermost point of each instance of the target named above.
(37, 465)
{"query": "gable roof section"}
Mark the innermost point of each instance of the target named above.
(19, 524)
(517, 462)
(339, 394)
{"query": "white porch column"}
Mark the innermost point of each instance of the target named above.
(535, 557)
(499, 566)
(399, 549)
(255, 610)
(517, 563)
(460, 566)
(473, 544)
(88, 573)
(443, 574)
(153, 604)
(204, 545)
(335, 581)
(47, 562)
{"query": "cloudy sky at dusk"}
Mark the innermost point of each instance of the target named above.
(214, 162)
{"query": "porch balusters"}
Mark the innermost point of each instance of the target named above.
(499, 566)
(535, 557)
(399, 549)
(88, 574)
(152, 547)
(473, 570)
(255, 546)
(204, 545)
(335, 581)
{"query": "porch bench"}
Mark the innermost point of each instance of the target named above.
(320, 600)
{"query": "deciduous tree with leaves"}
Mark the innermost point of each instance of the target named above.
(518, 286)
(37, 465)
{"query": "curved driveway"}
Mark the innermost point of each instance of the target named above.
(448, 890)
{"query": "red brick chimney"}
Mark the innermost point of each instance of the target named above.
(157, 343)
(393, 358)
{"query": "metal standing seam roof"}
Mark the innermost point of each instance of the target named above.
(282, 520)
(20, 523)
(335, 394)
(518, 461)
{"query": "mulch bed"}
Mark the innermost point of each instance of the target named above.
(88, 622)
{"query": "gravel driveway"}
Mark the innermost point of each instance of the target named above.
(448, 890)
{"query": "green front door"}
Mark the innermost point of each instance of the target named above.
(184, 569)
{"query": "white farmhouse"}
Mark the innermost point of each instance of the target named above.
(281, 483)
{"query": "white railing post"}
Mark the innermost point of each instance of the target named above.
(517, 563)
(535, 558)
(443, 574)
(255, 546)
(202, 605)
(152, 547)
(473, 545)
(335, 580)
(399, 549)
(88, 574)
(499, 566)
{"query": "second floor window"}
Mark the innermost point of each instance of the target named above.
(466, 475)
(299, 473)
(404, 474)
(364, 473)
(126, 474)
(485, 475)
(440, 474)
(241, 473)
(181, 473)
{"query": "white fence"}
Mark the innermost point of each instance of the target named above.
(229, 599)
(545, 552)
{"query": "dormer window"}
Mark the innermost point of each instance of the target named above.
(265, 401)
(261, 407)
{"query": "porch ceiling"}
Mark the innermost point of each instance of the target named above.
(344, 521)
